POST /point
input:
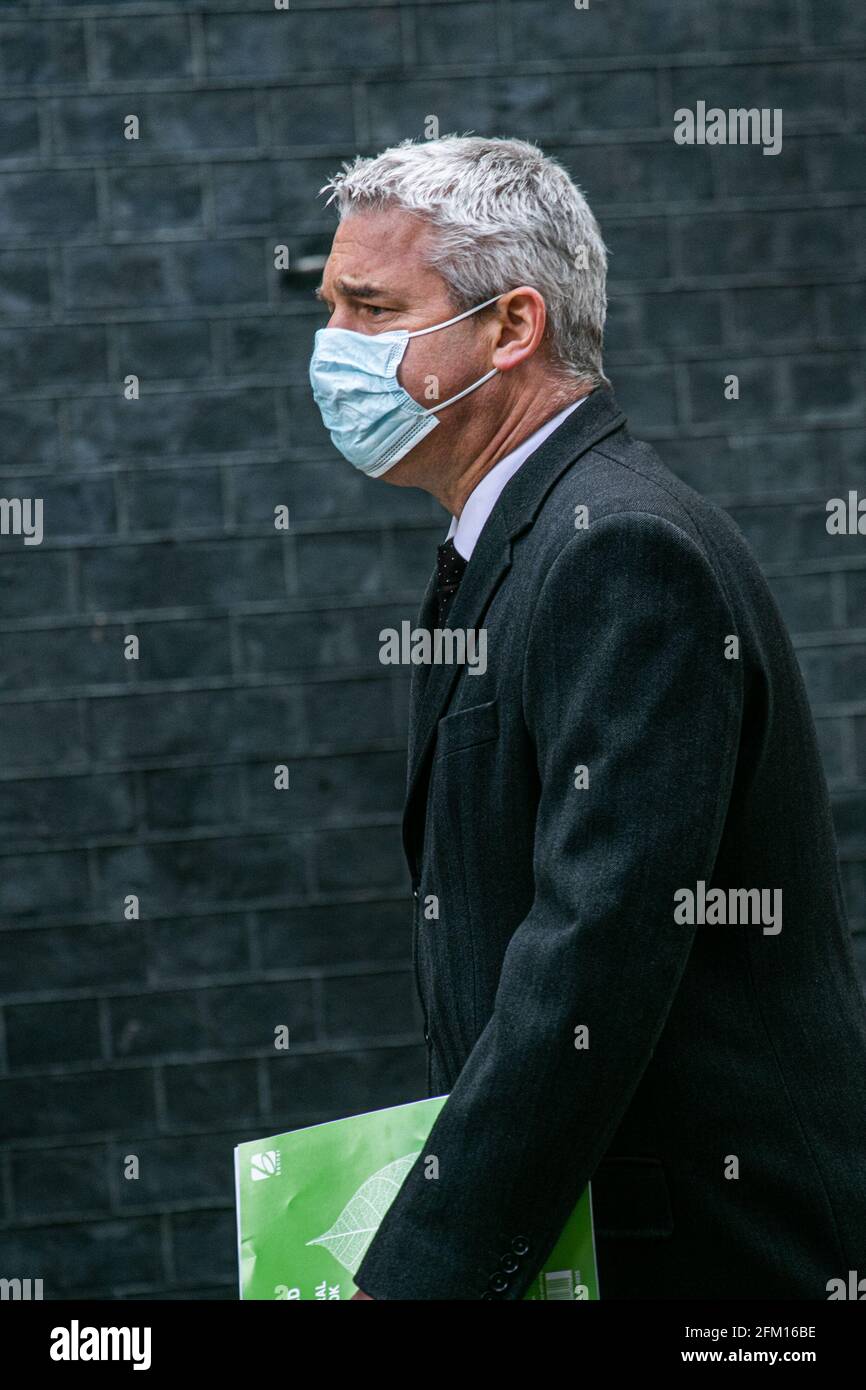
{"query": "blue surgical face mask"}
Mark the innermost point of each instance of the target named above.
(372, 420)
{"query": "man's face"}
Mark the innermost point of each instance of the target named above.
(376, 279)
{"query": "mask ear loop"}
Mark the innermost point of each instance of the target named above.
(461, 394)
(448, 322)
(436, 326)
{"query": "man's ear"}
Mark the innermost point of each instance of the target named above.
(522, 316)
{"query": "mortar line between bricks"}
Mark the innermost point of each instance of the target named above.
(166, 1247)
(155, 9)
(297, 679)
(263, 1087)
(228, 496)
(845, 637)
(179, 387)
(838, 590)
(804, 26)
(89, 40)
(191, 685)
(664, 98)
(253, 942)
(296, 902)
(712, 20)
(234, 980)
(101, 1000)
(139, 807)
(77, 545)
(394, 897)
(43, 135)
(207, 1057)
(54, 309)
(713, 429)
(218, 347)
(504, 33)
(849, 745)
(120, 493)
(250, 824)
(108, 316)
(112, 340)
(81, 720)
(197, 43)
(262, 116)
(233, 8)
(850, 87)
(150, 1290)
(310, 754)
(593, 137)
(110, 1215)
(318, 1008)
(161, 1107)
(94, 1138)
(299, 836)
(244, 816)
(92, 871)
(480, 69)
(360, 114)
(6, 1188)
(302, 674)
(111, 1163)
(192, 538)
(72, 582)
(681, 392)
(718, 353)
(209, 219)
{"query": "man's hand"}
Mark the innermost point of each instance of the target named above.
(361, 1294)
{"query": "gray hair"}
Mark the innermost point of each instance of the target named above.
(505, 214)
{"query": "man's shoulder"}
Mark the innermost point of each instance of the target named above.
(623, 477)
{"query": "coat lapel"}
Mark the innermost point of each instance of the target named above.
(515, 511)
(419, 674)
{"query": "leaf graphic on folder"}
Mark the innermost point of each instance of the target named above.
(359, 1220)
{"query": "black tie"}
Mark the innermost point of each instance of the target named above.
(450, 568)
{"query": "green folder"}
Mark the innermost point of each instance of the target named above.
(309, 1203)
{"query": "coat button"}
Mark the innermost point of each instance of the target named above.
(509, 1264)
(414, 892)
(520, 1245)
(498, 1282)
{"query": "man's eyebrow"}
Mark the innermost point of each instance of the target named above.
(354, 291)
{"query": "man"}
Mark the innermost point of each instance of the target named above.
(629, 935)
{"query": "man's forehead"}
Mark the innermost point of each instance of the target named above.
(378, 251)
(383, 230)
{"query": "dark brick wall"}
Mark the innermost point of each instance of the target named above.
(257, 647)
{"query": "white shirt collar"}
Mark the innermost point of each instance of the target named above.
(466, 528)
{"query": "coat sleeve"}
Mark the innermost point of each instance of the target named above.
(628, 672)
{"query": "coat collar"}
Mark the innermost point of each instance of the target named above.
(515, 510)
